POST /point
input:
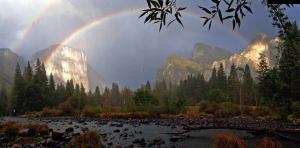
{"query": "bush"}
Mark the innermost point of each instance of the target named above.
(90, 139)
(228, 141)
(217, 95)
(48, 112)
(296, 109)
(208, 108)
(11, 130)
(268, 142)
(228, 110)
(89, 111)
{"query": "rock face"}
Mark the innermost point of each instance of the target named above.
(250, 55)
(205, 54)
(8, 62)
(178, 68)
(204, 58)
(67, 63)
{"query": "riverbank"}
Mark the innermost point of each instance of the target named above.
(164, 131)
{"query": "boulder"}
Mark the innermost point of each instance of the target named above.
(27, 132)
(69, 130)
(57, 136)
(16, 146)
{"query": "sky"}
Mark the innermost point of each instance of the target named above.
(120, 47)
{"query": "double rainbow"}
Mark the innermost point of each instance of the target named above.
(100, 20)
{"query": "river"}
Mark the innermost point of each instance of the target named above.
(128, 132)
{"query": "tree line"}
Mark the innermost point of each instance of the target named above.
(277, 87)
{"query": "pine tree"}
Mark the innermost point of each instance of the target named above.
(3, 101)
(28, 73)
(289, 63)
(106, 98)
(36, 91)
(126, 95)
(200, 89)
(77, 90)
(233, 84)
(248, 87)
(115, 94)
(213, 79)
(70, 90)
(221, 78)
(82, 91)
(18, 92)
(52, 90)
(97, 93)
(262, 73)
(148, 86)
(263, 68)
(60, 94)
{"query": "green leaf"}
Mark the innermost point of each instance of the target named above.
(149, 3)
(220, 16)
(161, 3)
(248, 9)
(209, 25)
(178, 19)
(143, 14)
(160, 26)
(233, 24)
(154, 3)
(205, 9)
(230, 10)
(148, 18)
(205, 22)
(216, 1)
(181, 8)
(170, 23)
(227, 17)
(167, 2)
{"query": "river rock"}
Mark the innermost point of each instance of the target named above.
(69, 130)
(57, 136)
(16, 146)
(174, 138)
(139, 141)
(26, 132)
(116, 124)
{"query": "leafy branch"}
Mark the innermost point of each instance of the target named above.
(235, 10)
(158, 10)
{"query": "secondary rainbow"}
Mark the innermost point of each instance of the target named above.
(30, 25)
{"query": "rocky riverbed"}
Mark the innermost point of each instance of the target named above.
(171, 132)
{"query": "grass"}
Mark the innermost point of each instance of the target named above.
(90, 139)
(223, 140)
(268, 142)
(12, 128)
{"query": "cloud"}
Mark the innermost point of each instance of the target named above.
(122, 49)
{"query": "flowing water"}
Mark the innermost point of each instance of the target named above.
(122, 132)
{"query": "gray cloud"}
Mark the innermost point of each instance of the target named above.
(122, 49)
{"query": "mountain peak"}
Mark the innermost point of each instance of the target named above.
(205, 54)
(67, 63)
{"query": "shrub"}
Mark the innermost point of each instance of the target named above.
(66, 108)
(48, 112)
(204, 106)
(11, 130)
(228, 110)
(296, 109)
(268, 142)
(228, 141)
(217, 95)
(89, 111)
(90, 139)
